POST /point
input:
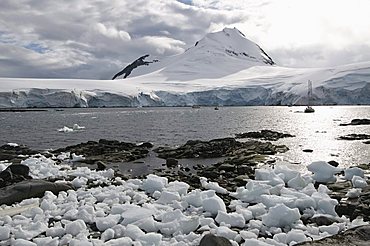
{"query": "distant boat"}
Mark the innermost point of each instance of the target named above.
(309, 109)
(216, 108)
(195, 106)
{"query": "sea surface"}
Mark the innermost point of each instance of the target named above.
(174, 126)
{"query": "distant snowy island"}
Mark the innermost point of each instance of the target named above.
(224, 68)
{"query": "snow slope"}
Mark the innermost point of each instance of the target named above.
(224, 68)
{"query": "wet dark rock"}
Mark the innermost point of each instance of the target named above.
(101, 166)
(29, 189)
(171, 162)
(15, 154)
(226, 167)
(307, 150)
(333, 163)
(351, 207)
(199, 149)
(13, 174)
(110, 151)
(322, 220)
(358, 236)
(225, 147)
(212, 240)
(354, 136)
(264, 135)
(356, 122)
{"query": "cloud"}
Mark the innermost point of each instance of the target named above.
(96, 38)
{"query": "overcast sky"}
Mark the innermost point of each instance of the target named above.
(97, 38)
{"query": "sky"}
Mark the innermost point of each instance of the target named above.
(94, 39)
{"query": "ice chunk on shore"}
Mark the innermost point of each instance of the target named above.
(323, 172)
(353, 193)
(75, 227)
(4, 233)
(353, 171)
(252, 192)
(285, 173)
(154, 183)
(269, 176)
(280, 216)
(134, 213)
(226, 232)
(232, 219)
(119, 242)
(150, 239)
(212, 186)
(358, 182)
(168, 197)
(103, 223)
(179, 187)
(213, 205)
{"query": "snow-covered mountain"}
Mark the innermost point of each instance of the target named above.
(224, 68)
(216, 55)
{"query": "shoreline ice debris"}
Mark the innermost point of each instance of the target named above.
(155, 211)
(323, 172)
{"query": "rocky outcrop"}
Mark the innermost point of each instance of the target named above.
(15, 153)
(355, 137)
(237, 164)
(219, 148)
(264, 135)
(109, 151)
(128, 69)
(358, 236)
(356, 122)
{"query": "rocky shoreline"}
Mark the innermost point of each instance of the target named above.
(237, 167)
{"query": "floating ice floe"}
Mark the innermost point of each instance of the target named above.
(154, 211)
(67, 129)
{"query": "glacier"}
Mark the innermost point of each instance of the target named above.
(223, 69)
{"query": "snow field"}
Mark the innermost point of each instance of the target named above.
(154, 211)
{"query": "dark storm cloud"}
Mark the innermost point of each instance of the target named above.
(93, 39)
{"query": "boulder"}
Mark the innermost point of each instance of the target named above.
(29, 189)
(13, 174)
(212, 240)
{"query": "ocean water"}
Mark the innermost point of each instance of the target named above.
(174, 126)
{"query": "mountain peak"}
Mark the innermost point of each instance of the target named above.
(234, 43)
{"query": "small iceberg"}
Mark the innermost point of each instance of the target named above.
(67, 129)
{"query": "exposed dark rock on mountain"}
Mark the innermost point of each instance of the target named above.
(128, 69)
